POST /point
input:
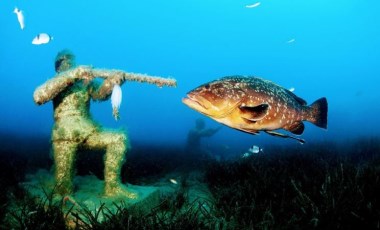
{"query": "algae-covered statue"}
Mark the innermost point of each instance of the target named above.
(71, 91)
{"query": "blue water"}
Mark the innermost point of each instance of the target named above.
(335, 54)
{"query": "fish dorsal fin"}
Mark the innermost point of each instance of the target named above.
(298, 99)
(254, 113)
(296, 128)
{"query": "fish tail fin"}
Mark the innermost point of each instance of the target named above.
(318, 113)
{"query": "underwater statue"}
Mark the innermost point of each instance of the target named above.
(71, 91)
(195, 135)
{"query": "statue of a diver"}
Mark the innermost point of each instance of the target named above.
(74, 127)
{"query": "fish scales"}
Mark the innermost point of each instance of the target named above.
(253, 104)
(258, 91)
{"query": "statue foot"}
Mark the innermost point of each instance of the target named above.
(120, 190)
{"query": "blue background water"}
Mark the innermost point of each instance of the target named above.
(335, 54)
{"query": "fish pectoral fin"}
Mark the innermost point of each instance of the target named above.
(301, 141)
(296, 128)
(254, 113)
(250, 131)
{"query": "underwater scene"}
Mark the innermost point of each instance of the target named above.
(229, 114)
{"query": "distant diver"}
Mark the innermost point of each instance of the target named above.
(252, 104)
(195, 135)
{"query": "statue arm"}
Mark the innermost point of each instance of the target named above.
(102, 91)
(56, 85)
(53, 87)
(118, 77)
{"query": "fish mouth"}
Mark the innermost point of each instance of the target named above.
(192, 102)
(205, 107)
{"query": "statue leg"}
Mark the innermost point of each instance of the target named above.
(116, 145)
(64, 156)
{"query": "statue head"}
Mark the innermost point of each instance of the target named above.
(64, 61)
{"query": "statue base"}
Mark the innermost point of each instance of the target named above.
(88, 196)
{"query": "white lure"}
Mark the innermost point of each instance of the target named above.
(116, 101)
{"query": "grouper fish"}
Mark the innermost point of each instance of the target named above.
(252, 104)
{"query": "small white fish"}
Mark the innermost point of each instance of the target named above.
(42, 38)
(254, 149)
(116, 97)
(292, 89)
(291, 40)
(246, 155)
(20, 17)
(253, 5)
(173, 181)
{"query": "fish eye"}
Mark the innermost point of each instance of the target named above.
(207, 86)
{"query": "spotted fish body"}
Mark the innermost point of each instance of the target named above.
(252, 104)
